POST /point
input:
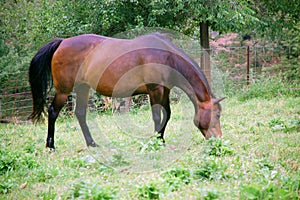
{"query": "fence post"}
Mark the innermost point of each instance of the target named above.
(248, 65)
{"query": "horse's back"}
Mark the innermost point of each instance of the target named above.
(69, 57)
(102, 62)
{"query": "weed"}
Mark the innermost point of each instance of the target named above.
(30, 147)
(48, 195)
(79, 163)
(150, 191)
(268, 88)
(266, 191)
(8, 161)
(42, 175)
(218, 147)
(118, 160)
(278, 124)
(177, 177)
(84, 190)
(211, 169)
(209, 194)
(265, 164)
(6, 186)
(14, 160)
(152, 145)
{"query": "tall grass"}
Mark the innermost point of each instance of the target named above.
(264, 87)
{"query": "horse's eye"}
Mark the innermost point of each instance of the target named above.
(218, 116)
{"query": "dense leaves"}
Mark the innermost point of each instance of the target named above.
(26, 25)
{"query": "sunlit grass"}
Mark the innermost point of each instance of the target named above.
(258, 156)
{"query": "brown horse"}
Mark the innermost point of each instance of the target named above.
(148, 64)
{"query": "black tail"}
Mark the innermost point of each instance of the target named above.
(39, 76)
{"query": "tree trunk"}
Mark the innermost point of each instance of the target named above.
(205, 57)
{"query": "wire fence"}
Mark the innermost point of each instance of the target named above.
(239, 65)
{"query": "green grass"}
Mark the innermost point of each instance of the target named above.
(258, 157)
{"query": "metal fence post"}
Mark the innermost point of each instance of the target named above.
(248, 65)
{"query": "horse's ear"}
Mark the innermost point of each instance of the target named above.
(217, 100)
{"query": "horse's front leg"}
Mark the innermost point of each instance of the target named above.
(53, 112)
(159, 99)
(166, 111)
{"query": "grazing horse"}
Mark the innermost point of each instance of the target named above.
(148, 64)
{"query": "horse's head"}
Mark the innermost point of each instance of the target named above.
(207, 118)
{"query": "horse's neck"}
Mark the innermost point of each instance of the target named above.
(194, 83)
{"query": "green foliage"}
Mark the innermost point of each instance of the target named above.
(15, 160)
(6, 186)
(149, 191)
(48, 195)
(211, 169)
(27, 25)
(273, 15)
(264, 163)
(175, 178)
(209, 194)
(218, 147)
(43, 175)
(269, 88)
(268, 191)
(152, 145)
(119, 160)
(278, 124)
(85, 190)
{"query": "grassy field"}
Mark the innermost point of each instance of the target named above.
(258, 157)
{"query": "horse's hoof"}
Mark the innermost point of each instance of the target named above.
(93, 144)
(51, 147)
(161, 139)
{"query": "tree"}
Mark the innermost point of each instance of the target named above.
(279, 21)
(194, 18)
(219, 15)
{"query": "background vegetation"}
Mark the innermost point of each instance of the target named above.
(258, 157)
(27, 25)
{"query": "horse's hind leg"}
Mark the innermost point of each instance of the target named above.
(82, 95)
(53, 111)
